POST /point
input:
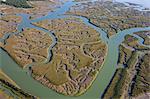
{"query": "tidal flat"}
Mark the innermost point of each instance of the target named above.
(37, 9)
(8, 24)
(111, 17)
(10, 90)
(131, 78)
(31, 45)
(74, 48)
(145, 35)
(76, 42)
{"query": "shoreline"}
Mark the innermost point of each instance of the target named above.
(9, 79)
(101, 65)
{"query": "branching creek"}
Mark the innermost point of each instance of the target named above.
(23, 78)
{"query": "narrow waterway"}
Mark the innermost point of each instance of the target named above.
(28, 84)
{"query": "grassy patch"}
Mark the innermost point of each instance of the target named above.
(17, 3)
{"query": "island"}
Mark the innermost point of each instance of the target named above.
(66, 71)
(78, 49)
(131, 79)
(111, 17)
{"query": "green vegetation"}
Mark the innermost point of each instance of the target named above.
(17, 3)
(31, 45)
(117, 85)
(124, 55)
(132, 61)
(145, 36)
(8, 24)
(133, 42)
(133, 79)
(109, 93)
(120, 83)
(16, 91)
(111, 17)
(142, 81)
(77, 57)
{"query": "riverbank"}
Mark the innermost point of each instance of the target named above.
(111, 17)
(106, 70)
(130, 80)
(74, 46)
(8, 79)
(15, 92)
(38, 9)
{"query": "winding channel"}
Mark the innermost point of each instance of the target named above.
(28, 84)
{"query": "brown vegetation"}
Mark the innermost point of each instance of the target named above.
(111, 17)
(8, 24)
(76, 60)
(29, 46)
(131, 80)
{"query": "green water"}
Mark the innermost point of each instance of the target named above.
(25, 81)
